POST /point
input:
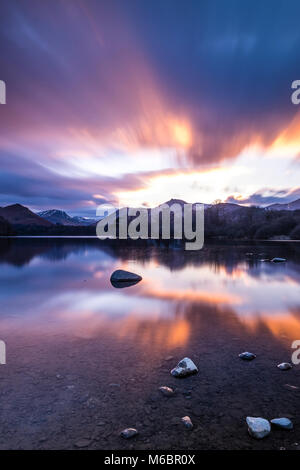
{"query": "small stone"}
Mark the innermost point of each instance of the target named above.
(187, 422)
(184, 368)
(258, 427)
(167, 391)
(83, 443)
(169, 358)
(284, 366)
(282, 423)
(187, 394)
(128, 433)
(247, 356)
(291, 387)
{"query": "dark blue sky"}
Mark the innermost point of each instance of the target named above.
(104, 98)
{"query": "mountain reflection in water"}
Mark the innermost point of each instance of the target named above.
(51, 286)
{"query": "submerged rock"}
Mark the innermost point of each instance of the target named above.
(282, 423)
(247, 356)
(291, 387)
(84, 442)
(184, 368)
(121, 278)
(167, 391)
(278, 260)
(284, 366)
(128, 433)
(258, 427)
(187, 422)
(169, 358)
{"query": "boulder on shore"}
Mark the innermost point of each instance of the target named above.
(184, 368)
(258, 427)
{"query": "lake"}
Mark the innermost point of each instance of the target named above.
(85, 359)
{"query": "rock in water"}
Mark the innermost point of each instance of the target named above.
(284, 366)
(167, 391)
(291, 387)
(187, 422)
(282, 423)
(247, 356)
(278, 260)
(83, 443)
(258, 427)
(128, 433)
(121, 278)
(184, 368)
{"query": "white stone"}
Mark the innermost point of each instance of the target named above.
(124, 276)
(247, 356)
(129, 432)
(283, 423)
(184, 368)
(167, 391)
(187, 422)
(258, 427)
(284, 366)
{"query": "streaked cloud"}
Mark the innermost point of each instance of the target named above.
(139, 102)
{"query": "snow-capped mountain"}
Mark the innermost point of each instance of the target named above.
(57, 216)
(291, 206)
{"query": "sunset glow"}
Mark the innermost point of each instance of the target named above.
(127, 127)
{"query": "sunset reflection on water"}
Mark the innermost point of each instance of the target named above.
(65, 288)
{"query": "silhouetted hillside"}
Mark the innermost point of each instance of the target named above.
(222, 221)
(5, 227)
(16, 215)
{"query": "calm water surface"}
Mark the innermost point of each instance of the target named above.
(74, 341)
(49, 286)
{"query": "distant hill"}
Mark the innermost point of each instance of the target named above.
(291, 206)
(57, 216)
(16, 214)
(181, 203)
(222, 221)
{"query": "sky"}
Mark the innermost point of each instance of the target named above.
(134, 102)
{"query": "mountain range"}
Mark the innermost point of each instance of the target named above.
(56, 216)
(16, 214)
(291, 206)
(222, 220)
